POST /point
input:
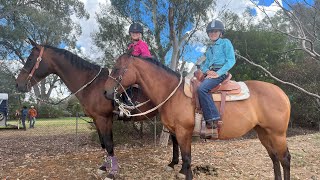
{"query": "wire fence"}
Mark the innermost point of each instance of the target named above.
(76, 129)
(71, 128)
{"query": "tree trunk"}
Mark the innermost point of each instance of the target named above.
(164, 137)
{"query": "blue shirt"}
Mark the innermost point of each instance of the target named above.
(24, 112)
(219, 55)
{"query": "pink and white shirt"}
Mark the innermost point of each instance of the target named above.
(140, 49)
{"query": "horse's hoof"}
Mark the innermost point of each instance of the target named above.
(100, 172)
(181, 176)
(109, 177)
(168, 168)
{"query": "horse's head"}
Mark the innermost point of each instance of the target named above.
(34, 70)
(122, 76)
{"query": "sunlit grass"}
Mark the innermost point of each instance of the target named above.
(54, 126)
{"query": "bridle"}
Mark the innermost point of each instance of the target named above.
(118, 81)
(123, 107)
(36, 66)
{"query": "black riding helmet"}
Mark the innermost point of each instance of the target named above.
(135, 27)
(215, 25)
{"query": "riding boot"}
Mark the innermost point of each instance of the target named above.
(212, 124)
(210, 130)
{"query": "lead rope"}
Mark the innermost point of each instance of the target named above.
(84, 86)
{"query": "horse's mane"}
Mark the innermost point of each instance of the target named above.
(74, 59)
(159, 64)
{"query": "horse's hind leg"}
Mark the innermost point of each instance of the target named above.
(276, 146)
(280, 148)
(175, 153)
(285, 162)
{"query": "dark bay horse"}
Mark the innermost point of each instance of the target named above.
(75, 73)
(267, 111)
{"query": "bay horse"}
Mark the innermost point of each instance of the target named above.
(267, 111)
(76, 73)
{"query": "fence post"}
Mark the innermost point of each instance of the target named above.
(155, 131)
(77, 131)
(164, 138)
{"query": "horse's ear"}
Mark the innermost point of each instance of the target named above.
(34, 44)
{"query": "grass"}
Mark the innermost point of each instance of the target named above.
(51, 126)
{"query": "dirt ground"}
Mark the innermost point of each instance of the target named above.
(58, 157)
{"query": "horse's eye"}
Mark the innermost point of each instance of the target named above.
(116, 70)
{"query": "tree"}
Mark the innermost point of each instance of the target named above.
(169, 25)
(299, 23)
(48, 22)
(7, 85)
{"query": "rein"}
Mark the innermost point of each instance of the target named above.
(122, 106)
(80, 89)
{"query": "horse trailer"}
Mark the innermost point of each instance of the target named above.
(3, 109)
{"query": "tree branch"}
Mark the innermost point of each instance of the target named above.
(277, 79)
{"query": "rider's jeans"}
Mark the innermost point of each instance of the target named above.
(209, 109)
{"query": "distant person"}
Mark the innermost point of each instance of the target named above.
(32, 115)
(17, 114)
(24, 114)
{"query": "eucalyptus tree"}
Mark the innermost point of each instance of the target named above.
(168, 25)
(299, 23)
(48, 22)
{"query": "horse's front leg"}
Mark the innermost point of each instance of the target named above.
(175, 153)
(111, 163)
(184, 140)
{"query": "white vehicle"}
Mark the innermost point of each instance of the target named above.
(3, 108)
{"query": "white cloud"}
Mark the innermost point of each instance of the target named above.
(239, 6)
(85, 41)
(93, 6)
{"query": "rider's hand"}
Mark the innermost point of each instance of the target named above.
(211, 74)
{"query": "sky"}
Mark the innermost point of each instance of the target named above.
(90, 26)
(237, 6)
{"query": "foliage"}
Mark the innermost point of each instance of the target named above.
(305, 110)
(73, 106)
(45, 21)
(263, 47)
(7, 85)
(277, 53)
(49, 111)
(164, 35)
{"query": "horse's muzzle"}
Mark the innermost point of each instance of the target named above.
(21, 87)
(108, 95)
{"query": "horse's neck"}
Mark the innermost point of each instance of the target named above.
(73, 77)
(160, 86)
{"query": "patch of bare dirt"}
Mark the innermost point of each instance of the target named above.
(56, 157)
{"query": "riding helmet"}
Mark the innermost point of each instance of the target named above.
(135, 27)
(215, 25)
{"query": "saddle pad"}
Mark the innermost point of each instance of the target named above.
(244, 94)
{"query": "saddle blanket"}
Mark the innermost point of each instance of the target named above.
(244, 94)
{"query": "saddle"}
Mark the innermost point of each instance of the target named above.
(228, 90)
(226, 87)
